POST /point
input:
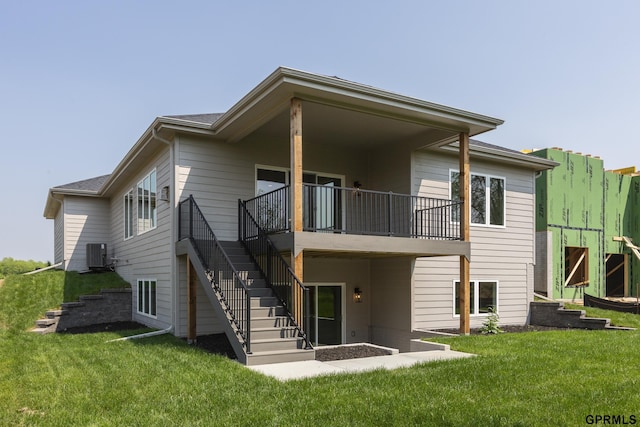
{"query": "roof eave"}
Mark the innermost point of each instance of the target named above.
(295, 83)
(148, 137)
(531, 162)
(53, 203)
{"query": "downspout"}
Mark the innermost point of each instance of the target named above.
(172, 192)
(43, 269)
(145, 335)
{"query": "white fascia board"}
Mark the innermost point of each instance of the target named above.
(532, 162)
(305, 85)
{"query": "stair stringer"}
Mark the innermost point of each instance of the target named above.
(229, 329)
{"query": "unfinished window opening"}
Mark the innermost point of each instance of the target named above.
(616, 274)
(576, 267)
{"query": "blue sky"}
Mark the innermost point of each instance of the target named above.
(80, 81)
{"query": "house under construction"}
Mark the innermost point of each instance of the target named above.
(582, 212)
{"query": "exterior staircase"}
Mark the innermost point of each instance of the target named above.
(260, 326)
(274, 337)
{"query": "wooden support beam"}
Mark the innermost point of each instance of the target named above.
(465, 232)
(296, 163)
(192, 282)
(296, 199)
(298, 296)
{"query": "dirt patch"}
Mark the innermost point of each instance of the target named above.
(216, 344)
(1, 282)
(349, 352)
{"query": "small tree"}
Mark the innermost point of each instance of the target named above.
(490, 325)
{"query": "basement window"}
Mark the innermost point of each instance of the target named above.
(484, 297)
(576, 267)
(147, 297)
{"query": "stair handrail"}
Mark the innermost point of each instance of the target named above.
(211, 254)
(274, 261)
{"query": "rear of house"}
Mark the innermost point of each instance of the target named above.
(344, 203)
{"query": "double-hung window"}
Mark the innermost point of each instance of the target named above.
(147, 203)
(484, 297)
(128, 215)
(147, 297)
(487, 198)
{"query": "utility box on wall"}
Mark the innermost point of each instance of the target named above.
(96, 255)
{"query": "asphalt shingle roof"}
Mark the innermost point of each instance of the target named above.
(91, 184)
(208, 119)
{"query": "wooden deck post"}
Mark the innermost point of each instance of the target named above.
(296, 197)
(191, 303)
(465, 222)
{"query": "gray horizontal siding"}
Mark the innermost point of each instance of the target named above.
(147, 255)
(86, 220)
(497, 254)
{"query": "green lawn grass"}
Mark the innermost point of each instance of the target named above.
(23, 299)
(527, 379)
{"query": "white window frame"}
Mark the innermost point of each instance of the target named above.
(152, 212)
(127, 214)
(475, 310)
(143, 300)
(487, 208)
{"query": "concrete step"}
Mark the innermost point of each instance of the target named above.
(90, 297)
(264, 301)
(56, 313)
(239, 256)
(596, 322)
(268, 311)
(269, 357)
(272, 333)
(261, 292)
(43, 323)
(256, 283)
(276, 344)
(271, 321)
(66, 305)
(40, 331)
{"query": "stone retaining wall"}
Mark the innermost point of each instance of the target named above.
(111, 305)
(553, 314)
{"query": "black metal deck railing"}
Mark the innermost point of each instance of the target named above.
(231, 288)
(293, 295)
(356, 211)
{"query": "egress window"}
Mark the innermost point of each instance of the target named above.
(487, 198)
(147, 296)
(484, 297)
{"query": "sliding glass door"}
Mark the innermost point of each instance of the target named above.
(326, 314)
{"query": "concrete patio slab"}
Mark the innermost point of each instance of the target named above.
(313, 368)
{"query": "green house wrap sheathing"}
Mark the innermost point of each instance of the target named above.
(581, 205)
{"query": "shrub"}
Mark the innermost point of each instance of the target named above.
(490, 325)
